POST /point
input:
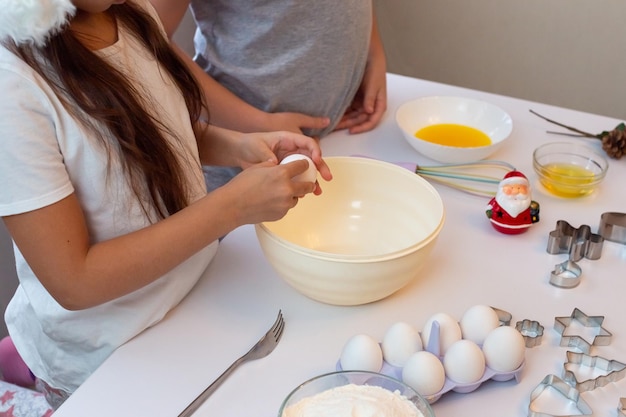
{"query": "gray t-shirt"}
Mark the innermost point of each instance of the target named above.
(286, 55)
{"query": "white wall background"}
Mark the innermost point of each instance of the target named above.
(570, 53)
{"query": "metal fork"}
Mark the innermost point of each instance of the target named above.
(263, 347)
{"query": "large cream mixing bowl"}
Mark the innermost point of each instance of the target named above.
(365, 237)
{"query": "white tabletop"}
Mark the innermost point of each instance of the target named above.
(162, 370)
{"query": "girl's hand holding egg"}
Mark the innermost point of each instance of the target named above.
(310, 175)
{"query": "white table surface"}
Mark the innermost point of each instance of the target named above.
(162, 370)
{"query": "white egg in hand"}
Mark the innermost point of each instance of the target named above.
(464, 362)
(449, 332)
(424, 373)
(504, 349)
(400, 342)
(361, 353)
(310, 175)
(477, 322)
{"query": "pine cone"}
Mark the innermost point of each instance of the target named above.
(614, 142)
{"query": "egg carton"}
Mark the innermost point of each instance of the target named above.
(449, 384)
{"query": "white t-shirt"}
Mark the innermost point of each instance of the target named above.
(45, 155)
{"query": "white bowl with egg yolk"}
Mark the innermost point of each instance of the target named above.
(462, 129)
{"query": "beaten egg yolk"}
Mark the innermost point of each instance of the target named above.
(451, 134)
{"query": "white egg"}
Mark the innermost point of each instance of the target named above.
(401, 341)
(424, 373)
(477, 322)
(310, 175)
(449, 332)
(504, 349)
(361, 353)
(464, 362)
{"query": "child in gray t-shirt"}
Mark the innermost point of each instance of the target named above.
(310, 66)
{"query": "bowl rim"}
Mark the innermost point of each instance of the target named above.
(413, 392)
(509, 122)
(594, 155)
(367, 258)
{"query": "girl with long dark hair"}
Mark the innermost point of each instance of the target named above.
(102, 136)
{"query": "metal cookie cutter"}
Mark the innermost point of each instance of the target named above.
(612, 371)
(603, 338)
(569, 394)
(566, 274)
(578, 243)
(504, 317)
(531, 330)
(613, 227)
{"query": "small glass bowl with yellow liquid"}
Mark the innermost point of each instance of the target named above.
(453, 129)
(569, 169)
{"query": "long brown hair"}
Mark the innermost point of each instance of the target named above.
(81, 78)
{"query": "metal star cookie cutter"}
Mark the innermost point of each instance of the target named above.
(613, 227)
(531, 330)
(561, 387)
(602, 338)
(621, 408)
(577, 242)
(613, 371)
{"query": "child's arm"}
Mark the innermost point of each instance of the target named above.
(219, 146)
(370, 103)
(55, 240)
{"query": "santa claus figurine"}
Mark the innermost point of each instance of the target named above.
(512, 211)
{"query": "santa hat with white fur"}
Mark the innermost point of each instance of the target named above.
(33, 21)
(512, 177)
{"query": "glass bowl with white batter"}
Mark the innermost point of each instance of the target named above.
(350, 393)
